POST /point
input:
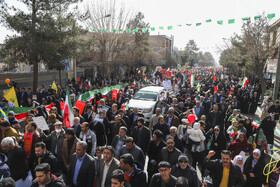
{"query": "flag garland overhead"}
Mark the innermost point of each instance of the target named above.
(171, 27)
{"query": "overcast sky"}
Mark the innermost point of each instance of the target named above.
(208, 36)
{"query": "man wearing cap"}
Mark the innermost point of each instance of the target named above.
(56, 139)
(133, 149)
(69, 147)
(183, 169)
(163, 178)
(141, 135)
(8, 131)
(275, 109)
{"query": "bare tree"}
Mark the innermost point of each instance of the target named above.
(111, 37)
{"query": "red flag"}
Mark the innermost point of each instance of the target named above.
(215, 88)
(214, 78)
(48, 107)
(163, 71)
(168, 74)
(27, 143)
(21, 117)
(114, 94)
(62, 104)
(80, 105)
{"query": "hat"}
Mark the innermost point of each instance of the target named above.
(4, 123)
(141, 120)
(54, 108)
(277, 101)
(128, 139)
(184, 120)
(57, 123)
(183, 157)
(217, 127)
(257, 151)
(70, 131)
(11, 113)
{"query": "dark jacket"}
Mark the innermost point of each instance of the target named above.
(219, 119)
(156, 181)
(65, 157)
(115, 164)
(216, 171)
(221, 141)
(77, 130)
(138, 178)
(189, 173)
(136, 152)
(56, 142)
(172, 157)
(17, 163)
(86, 173)
(54, 182)
(99, 130)
(164, 128)
(51, 160)
(145, 138)
(4, 168)
(259, 178)
(154, 150)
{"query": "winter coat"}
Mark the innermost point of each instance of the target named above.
(156, 181)
(172, 157)
(4, 168)
(54, 182)
(65, 157)
(189, 173)
(195, 134)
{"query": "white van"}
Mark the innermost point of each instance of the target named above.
(146, 100)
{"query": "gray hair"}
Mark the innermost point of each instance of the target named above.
(82, 143)
(8, 141)
(77, 118)
(173, 128)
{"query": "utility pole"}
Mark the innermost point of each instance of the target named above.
(276, 84)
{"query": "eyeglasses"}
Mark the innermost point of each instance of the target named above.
(182, 161)
(169, 143)
(216, 130)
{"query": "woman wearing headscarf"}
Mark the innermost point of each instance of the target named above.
(248, 126)
(238, 161)
(218, 142)
(261, 140)
(268, 125)
(240, 144)
(253, 169)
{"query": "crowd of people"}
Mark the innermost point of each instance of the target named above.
(221, 147)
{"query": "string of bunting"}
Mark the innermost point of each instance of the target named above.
(220, 22)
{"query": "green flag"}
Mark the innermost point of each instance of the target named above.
(188, 24)
(231, 21)
(270, 16)
(93, 30)
(161, 27)
(121, 30)
(208, 21)
(106, 31)
(128, 30)
(246, 18)
(136, 30)
(100, 30)
(152, 29)
(169, 27)
(144, 29)
(257, 17)
(220, 22)
(114, 30)
(198, 24)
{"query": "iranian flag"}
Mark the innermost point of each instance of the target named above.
(134, 84)
(256, 124)
(192, 80)
(125, 106)
(193, 111)
(68, 116)
(244, 82)
(231, 133)
(198, 87)
(89, 85)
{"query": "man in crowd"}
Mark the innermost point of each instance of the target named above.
(44, 177)
(117, 178)
(135, 176)
(154, 119)
(82, 168)
(8, 131)
(170, 153)
(89, 137)
(133, 149)
(183, 169)
(171, 119)
(119, 141)
(77, 126)
(106, 166)
(76, 113)
(141, 135)
(163, 178)
(223, 172)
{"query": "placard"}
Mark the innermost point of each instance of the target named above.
(41, 123)
(167, 84)
(98, 118)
